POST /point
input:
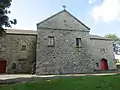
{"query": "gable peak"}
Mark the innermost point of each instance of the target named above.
(61, 13)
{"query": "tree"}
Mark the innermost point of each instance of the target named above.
(4, 19)
(116, 43)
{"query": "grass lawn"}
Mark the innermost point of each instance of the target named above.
(69, 83)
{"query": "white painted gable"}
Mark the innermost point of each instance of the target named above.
(63, 20)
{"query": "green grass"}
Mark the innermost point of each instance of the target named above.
(69, 83)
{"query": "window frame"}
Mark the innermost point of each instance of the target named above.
(51, 41)
(23, 47)
(78, 42)
(102, 50)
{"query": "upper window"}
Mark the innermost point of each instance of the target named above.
(103, 50)
(78, 42)
(23, 48)
(51, 41)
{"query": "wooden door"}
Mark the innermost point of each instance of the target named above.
(103, 64)
(2, 66)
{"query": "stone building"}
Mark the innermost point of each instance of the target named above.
(18, 48)
(61, 45)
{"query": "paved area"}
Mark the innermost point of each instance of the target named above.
(14, 76)
(19, 78)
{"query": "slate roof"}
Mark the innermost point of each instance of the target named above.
(99, 37)
(21, 31)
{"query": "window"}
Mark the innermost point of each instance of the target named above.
(78, 42)
(13, 66)
(103, 50)
(51, 41)
(97, 64)
(23, 45)
(23, 48)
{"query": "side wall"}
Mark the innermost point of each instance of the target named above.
(103, 49)
(18, 61)
(64, 57)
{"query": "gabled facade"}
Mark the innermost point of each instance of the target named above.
(71, 51)
(63, 20)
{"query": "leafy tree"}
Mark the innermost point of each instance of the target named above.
(116, 43)
(4, 19)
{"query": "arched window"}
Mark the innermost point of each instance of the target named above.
(23, 45)
(2, 48)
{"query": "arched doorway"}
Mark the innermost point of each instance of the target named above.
(103, 64)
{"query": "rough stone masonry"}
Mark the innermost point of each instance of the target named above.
(61, 45)
(65, 56)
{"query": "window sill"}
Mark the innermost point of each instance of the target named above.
(51, 46)
(78, 46)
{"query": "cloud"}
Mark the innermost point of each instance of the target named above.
(108, 11)
(91, 1)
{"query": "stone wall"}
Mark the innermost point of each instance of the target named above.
(64, 57)
(63, 20)
(18, 60)
(102, 49)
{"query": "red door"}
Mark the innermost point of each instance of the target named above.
(103, 64)
(2, 66)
